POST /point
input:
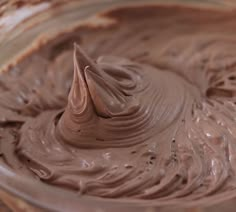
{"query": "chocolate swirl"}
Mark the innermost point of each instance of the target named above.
(108, 103)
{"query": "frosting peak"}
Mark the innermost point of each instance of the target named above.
(103, 96)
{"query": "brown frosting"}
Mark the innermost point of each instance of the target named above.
(145, 111)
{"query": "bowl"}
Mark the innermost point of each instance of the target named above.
(23, 26)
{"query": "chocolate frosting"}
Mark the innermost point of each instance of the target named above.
(148, 113)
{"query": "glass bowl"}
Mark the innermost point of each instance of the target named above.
(25, 24)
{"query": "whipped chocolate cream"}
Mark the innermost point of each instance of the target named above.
(141, 109)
